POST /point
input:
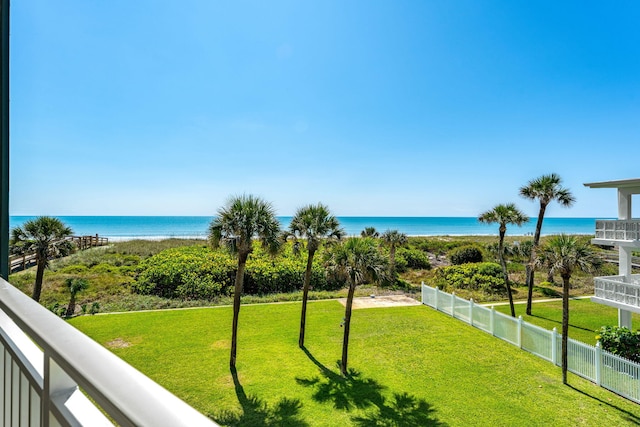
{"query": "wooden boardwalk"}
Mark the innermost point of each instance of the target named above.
(22, 262)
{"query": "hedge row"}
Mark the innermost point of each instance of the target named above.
(197, 272)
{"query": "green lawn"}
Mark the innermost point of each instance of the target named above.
(585, 317)
(411, 366)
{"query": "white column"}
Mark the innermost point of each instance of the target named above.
(624, 318)
(624, 269)
(624, 204)
(624, 258)
(624, 254)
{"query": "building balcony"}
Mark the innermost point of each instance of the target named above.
(51, 374)
(621, 292)
(617, 232)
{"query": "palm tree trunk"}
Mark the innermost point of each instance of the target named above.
(37, 286)
(71, 308)
(532, 258)
(347, 323)
(305, 293)
(565, 325)
(392, 264)
(505, 273)
(237, 293)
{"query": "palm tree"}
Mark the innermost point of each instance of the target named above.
(545, 189)
(503, 215)
(236, 224)
(564, 254)
(313, 223)
(357, 260)
(370, 232)
(42, 235)
(393, 239)
(74, 286)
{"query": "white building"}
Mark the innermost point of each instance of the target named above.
(621, 291)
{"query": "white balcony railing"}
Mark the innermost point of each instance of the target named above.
(619, 290)
(623, 230)
(48, 368)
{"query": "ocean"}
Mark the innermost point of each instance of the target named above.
(158, 227)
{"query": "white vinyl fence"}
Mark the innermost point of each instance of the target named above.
(612, 372)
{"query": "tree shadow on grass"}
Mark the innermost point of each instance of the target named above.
(256, 412)
(351, 391)
(632, 418)
(559, 322)
(404, 411)
(354, 391)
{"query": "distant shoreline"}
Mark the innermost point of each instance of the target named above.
(120, 228)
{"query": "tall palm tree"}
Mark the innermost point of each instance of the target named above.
(393, 239)
(503, 215)
(42, 235)
(74, 286)
(357, 260)
(236, 224)
(564, 254)
(313, 223)
(545, 189)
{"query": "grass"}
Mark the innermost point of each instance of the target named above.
(409, 366)
(585, 317)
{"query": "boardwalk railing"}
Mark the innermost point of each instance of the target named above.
(614, 373)
(22, 262)
(51, 374)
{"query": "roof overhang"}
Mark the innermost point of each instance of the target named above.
(632, 185)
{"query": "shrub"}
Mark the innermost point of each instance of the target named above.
(103, 268)
(484, 276)
(73, 269)
(465, 254)
(284, 273)
(415, 258)
(188, 272)
(620, 341)
(198, 272)
(401, 263)
(436, 245)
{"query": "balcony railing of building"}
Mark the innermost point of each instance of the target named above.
(620, 230)
(619, 291)
(51, 374)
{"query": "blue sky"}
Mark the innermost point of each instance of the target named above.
(391, 108)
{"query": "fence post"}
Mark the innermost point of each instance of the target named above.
(554, 347)
(422, 292)
(471, 311)
(492, 320)
(453, 304)
(598, 363)
(436, 297)
(520, 331)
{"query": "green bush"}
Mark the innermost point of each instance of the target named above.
(465, 254)
(402, 264)
(437, 246)
(103, 268)
(189, 272)
(415, 258)
(266, 274)
(620, 341)
(198, 272)
(483, 276)
(74, 269)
